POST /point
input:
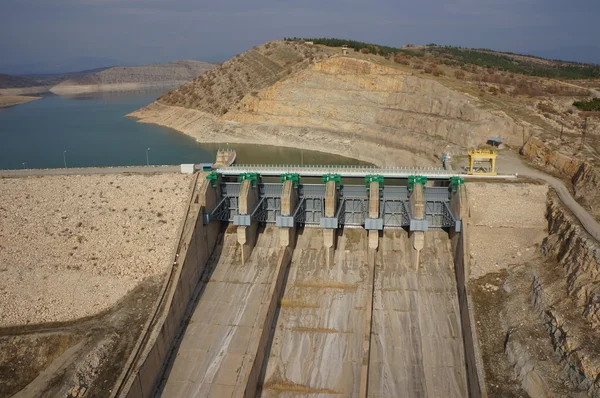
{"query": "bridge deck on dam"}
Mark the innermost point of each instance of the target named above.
(416, 340)
(318, 342)
(215, 351)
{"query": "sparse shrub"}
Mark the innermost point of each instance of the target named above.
(592, 105)
(546, 108)
(401, 60)
(438, 72)
(428, 69)
(417, 65)
(493, 90)
(364, 50)
(459, 74)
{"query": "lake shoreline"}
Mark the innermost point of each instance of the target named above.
(207, 128)
(12, 100)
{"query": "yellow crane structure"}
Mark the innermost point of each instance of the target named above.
(482, 162)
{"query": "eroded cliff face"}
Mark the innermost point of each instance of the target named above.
(351, 107)
(584, 177)
(538, 319)
(573, 322)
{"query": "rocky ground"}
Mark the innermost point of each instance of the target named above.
(82, 260)
(533, 285)
(72, 246)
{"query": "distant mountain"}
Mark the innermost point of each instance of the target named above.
(133, 77)
(585, 54)
(8, 81)
(66, 66)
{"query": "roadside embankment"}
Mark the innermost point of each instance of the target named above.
(583, 175)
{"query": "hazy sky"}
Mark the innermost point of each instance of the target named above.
(57, 32)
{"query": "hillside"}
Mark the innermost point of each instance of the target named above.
(133, 77)
(401, 110)
(8, 81)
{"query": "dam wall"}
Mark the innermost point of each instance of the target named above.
(195, 246)
(235, 324)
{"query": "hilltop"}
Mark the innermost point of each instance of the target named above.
(451, 55)
(399, 109)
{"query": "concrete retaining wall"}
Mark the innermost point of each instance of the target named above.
(460, 247)
(196, 244)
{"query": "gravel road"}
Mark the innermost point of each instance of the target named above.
(511, 163)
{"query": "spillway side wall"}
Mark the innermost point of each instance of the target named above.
(460, 248)
(196, 245)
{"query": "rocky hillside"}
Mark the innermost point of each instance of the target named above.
(364, 106)
(132, 77)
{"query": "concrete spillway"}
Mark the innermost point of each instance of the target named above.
(311, 312)
(216, 346)
(318, 342)
(317, 347)
(416, 340)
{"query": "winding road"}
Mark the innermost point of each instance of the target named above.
(510, 162)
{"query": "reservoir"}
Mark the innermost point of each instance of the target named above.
(92, 130)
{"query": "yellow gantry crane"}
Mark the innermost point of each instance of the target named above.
(482, 162)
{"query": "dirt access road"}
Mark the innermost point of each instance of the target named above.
(512, 163)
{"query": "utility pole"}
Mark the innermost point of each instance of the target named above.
(147, 160)
(65, 158)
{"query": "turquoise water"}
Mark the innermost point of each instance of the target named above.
(94, 131)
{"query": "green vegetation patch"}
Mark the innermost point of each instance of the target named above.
(450, 55)
(507, 62)
(592, 105)
(356, 45)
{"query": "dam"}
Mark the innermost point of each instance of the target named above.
(347, 286)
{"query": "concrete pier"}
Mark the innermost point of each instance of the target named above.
(417, 208)
(329, 234)
(289, 199)
(247, 234)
